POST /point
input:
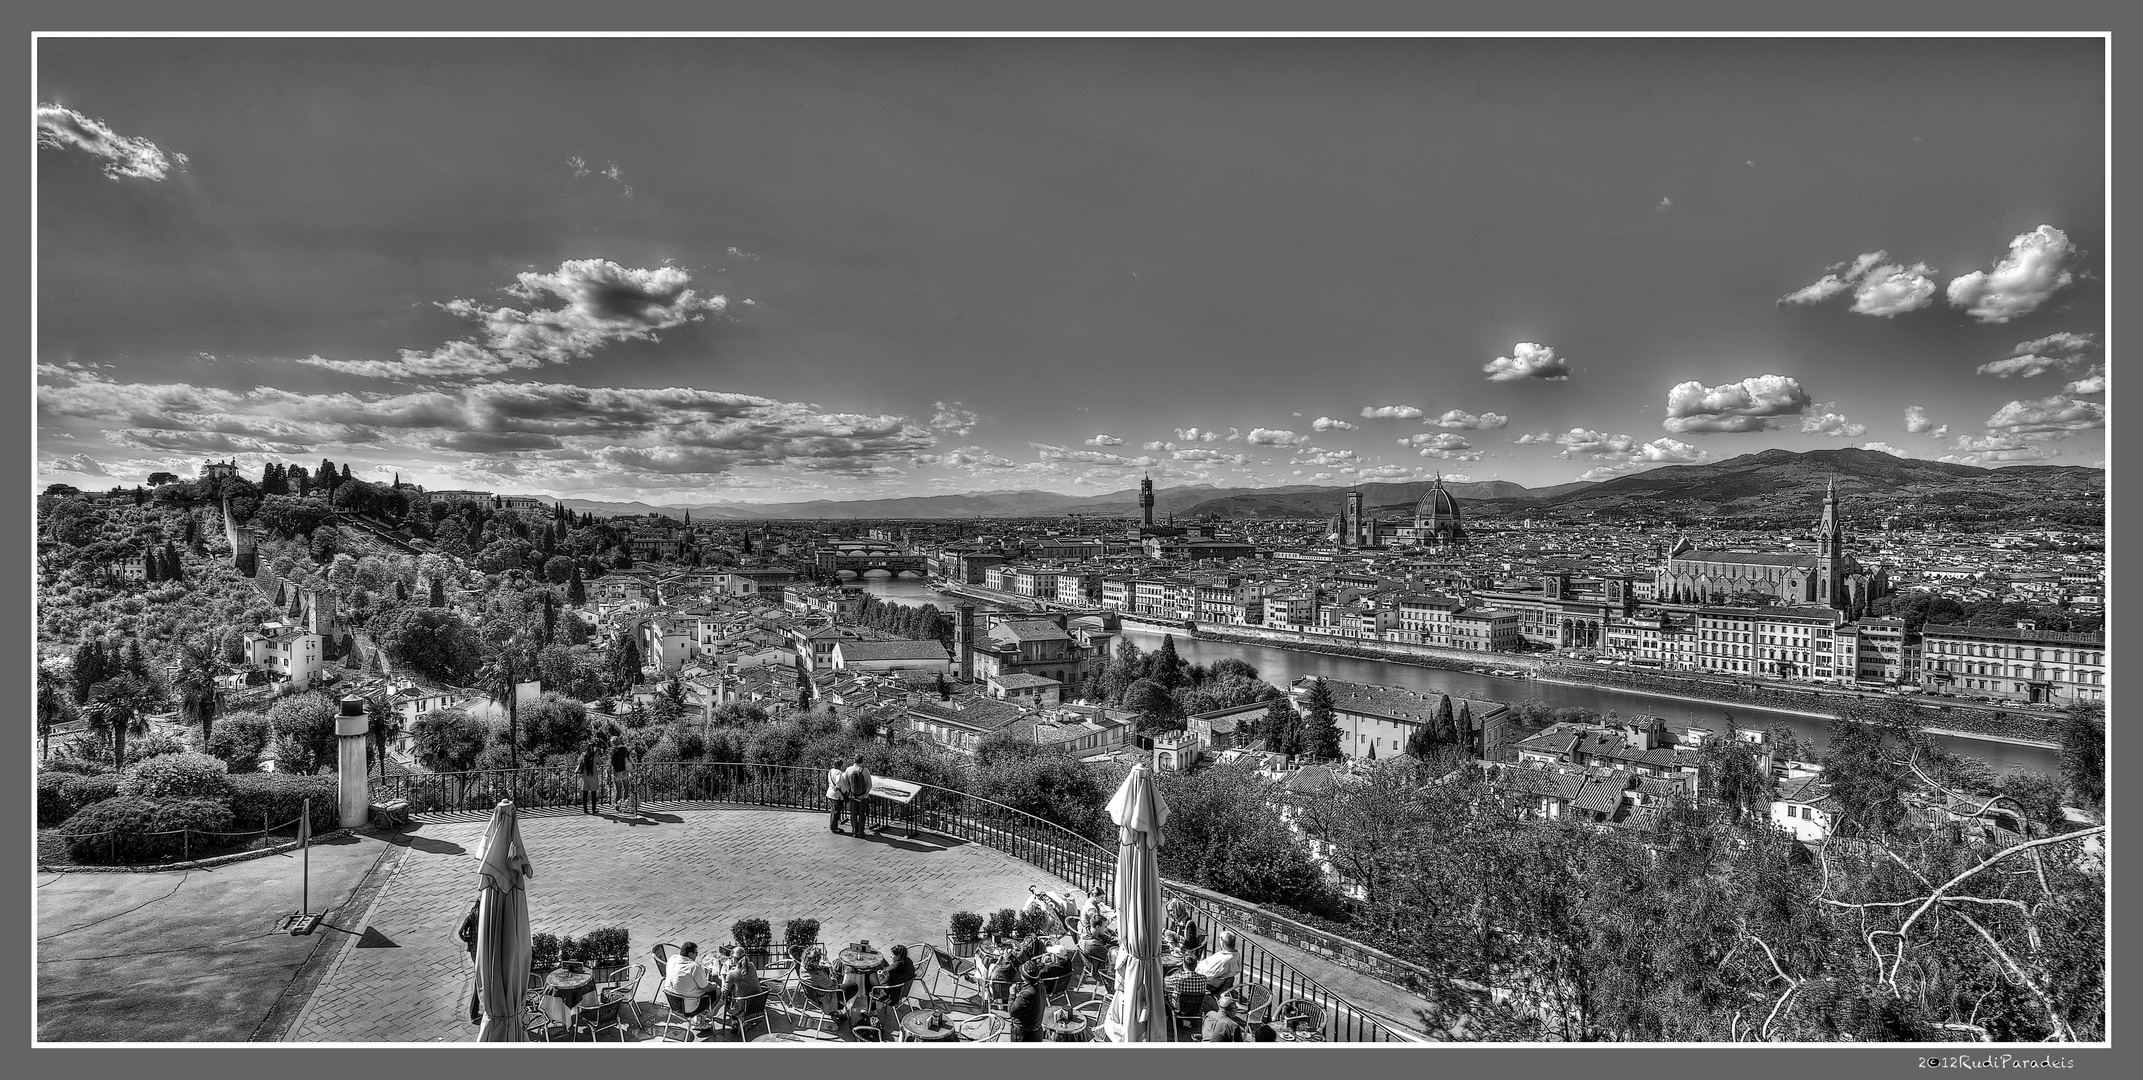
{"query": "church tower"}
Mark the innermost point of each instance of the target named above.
(1830, 554)
(1353, 524)
(1145, 500)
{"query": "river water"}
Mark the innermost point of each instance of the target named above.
(1283, 666)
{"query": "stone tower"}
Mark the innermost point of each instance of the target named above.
(1830, 554)
(1145, 501)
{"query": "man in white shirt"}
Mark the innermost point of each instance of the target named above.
(835, 794)
(1220, 967)
(687, 985)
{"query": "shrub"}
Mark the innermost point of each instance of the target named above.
(178, 776)
(52, 805)
(79, 766)
(800, 932)
(271, 800)
(84, 790)
(128, 829)
(239, 742)
(1003, 922)
(752, 934)
(603, 943)
(966, 926)
(153, 745)
(543, 951)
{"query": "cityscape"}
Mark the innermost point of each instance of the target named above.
(1244, 541)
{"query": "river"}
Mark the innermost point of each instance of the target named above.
(1283, 666)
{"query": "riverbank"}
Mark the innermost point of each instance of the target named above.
(1686, 698)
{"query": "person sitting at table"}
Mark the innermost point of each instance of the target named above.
(687, 987)
(1052, 967)
(1186, 991)
(1183, 933)
(740, 988)
(856, 986)
(1225, 1024)
(1262, 1031)
(899, 976)
(1220, 967)
(1026, 1009)
(1004, 974)
(1097, 939)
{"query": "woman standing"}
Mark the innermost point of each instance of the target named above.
(586, 769)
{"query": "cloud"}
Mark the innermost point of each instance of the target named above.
(1390, 412)
(1088, 457)
(2058, 413)
(1668, 451)
(950, 417)
(1883, 448)
(1216, 457)
(1388, 472)
(1585, 442)
(1879, 288)
(1191, 434)
(2063, 344)
(572, 311)
(1466, 421)
(2055, 352)
(2089, 384)
(1447, 446)
(1917, 422)
(201, 442)
(1104, 440)
(126, 157)
(617, 176)
(1157, 445)
(1826, 420)
(1528, 361)
(1276, 437)
(2035, 268)
(77, 463)
(2023, 367)
(1753, 404)
(1325, 458)
(1534, 437)
(1326, 423)
(1998, 450)
(578, 165)
(1664, 203)
(967, 457)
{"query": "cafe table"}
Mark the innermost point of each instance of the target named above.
(1064, 1026)
(784, 1037)
(915, 1027)
(569, 985)
(982, 1029)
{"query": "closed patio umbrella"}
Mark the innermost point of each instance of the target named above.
(502, 958)
(1137, 1012)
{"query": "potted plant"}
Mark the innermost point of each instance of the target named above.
(966, 934)
(797, 933)
(542, 951)
(606, 947)
(1004, 922)
(1033, 922)
(754, 937)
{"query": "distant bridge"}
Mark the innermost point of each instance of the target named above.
(845, 565)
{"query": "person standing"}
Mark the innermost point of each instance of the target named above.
(586, 769)
(468, 937)
(857, 784)
(620, 771)
(836, 782)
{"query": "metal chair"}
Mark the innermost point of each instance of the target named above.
(663, 954)
(742, 1011)
(605, 1014)
(963, 971)
(868, 1032)
(1187, 1007)
(892, 996)
(813, 1005)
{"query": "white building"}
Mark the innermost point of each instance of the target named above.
(287, 651)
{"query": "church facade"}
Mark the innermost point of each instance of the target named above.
(1829, 578)
(1436, 523)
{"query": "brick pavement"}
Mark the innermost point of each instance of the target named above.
(685, 875)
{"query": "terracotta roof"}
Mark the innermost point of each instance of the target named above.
(853, 651)
(1030, 630)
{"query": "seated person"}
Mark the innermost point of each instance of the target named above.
(1225, 1024)
(1262, 1031)
(1026, 1010)
(1183, 933)
(816, 974)
(1004, 975)
(1052, 967)
(1098, 941)
(1220, 967)
(740, 981)
(899, 976)
(687, 986)
(1186, 990)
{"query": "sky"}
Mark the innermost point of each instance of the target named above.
(695, 270)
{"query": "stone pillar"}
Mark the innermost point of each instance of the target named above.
(353, 796)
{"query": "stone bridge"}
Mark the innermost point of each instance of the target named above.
(859, 565)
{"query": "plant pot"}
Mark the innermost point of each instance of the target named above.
(965, 948)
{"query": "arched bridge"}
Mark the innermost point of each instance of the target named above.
(859, 565)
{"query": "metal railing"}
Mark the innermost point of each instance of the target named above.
(1086, 865)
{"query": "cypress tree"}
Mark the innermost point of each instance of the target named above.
(576, 589)
(152, 566)
(1464, 729)
(134, 664)
(1440, 730)
(173, 569)
(88, 669)
(1320, 724)
(438, 591)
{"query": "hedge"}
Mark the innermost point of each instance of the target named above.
(77, 792)
(130, 829)
(178, 776)
(52, 805)
(273, 800)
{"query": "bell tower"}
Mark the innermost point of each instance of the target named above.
(1830, 553)
(1145, 500)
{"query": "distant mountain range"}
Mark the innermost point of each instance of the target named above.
(1750, 485)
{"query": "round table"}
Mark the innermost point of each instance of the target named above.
(981, 1029)
(568, 985)
(1067, 1027)
(916, 1027)
(862, 960)
(783, 1036)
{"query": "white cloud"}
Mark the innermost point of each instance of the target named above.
(1917, 422)
(1824, 419)
(76, 463)
(126, 157)
(2089, 384)
(1883, 448)
(2058, 413)
(1326, 423)
(1880, 288)
(1088, 457)
(1387, 472)
(1191, 434)
(1669, 451)
(2035, 268)
(1390, 412)
(951, 417)
(2023, 367)
(579, 165)
(1585, 442)
(1487, 421)
(1535, 437)
(1214, 457)
(1528, 361)
(973, 457)
(2062, 344)
(1104, 440)
(2056, 352)
(1276, 437)
(1313, 456)
(1998, 450)
(1753, 404)
(1157, 445)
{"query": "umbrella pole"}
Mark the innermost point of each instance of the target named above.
(305, 878)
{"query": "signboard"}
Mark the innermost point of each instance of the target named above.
(901, 792)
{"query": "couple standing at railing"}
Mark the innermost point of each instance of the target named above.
(624, 785)
(849, 789)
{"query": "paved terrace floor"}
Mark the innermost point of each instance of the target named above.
(671, 876)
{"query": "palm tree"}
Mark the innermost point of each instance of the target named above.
(499, 678)
(119, 707)
(195, 681)
(53, 708)
(386, 726)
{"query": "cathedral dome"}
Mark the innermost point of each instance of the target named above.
(1437, 507)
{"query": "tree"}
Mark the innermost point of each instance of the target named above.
(2083, 753)
(625, 662)
(1165, 667)
(434, 642)
(1369, 825)
(304, 726)
(1320, 724)
(159, 479)
(500, 680)
(576, 589)
(447, 740)
(88, 669)
(54, 707)
(1282, 726)
(1222, 834)
(559, 570)
(1865, 777)
(1727, 773)
(552, 724)
(119, 707)
(195, 681)
(1156, 709)
(438, 594)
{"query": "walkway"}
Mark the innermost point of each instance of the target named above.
(673, 877)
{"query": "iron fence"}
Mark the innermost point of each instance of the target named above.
(1086, 865)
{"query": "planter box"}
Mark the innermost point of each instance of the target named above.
(964, 948)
